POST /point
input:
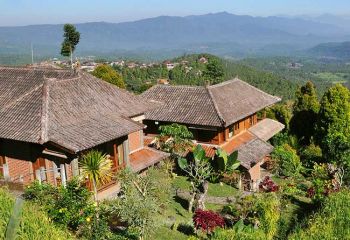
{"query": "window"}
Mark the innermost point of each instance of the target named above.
(230, 133)
(234, 129)
(251, 120)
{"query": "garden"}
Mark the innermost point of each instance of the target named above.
(189, 196)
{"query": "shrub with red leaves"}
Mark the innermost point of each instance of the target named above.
(267, 185)
(311, 192)
(207, 220)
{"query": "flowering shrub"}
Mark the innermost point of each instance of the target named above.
(325, 181)
(268, 185)
(207, 220)
(70, 206)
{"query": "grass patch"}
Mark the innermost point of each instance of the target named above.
(214, 207)
(215, 189)
(167, 233)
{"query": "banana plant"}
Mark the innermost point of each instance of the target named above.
(227, 163)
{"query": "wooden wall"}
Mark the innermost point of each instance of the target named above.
(214, 136)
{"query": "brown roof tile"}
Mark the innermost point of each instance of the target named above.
(217, 105)
(74, 110)
(266, 128)
(145, 158)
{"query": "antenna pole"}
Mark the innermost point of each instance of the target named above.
(31, 46)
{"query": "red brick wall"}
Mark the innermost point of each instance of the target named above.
(20, 167)
(69, 171)
(135, 141)
(255, 172)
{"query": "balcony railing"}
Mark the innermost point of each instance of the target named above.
(109, 183)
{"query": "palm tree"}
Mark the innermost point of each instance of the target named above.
(96, 167)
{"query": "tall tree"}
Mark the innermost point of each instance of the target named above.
(333, 126)
(214, 71)
(71, 40)
(305, 110)
(96, 167)
(108, 74)
(280, 112)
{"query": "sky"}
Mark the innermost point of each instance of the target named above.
(26, 12)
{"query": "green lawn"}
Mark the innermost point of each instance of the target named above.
(215, 189)
(167, 233)
(176, 214)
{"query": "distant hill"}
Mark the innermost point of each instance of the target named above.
(223, 33)
(331, 50)
(189, 69)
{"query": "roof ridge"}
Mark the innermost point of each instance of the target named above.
(22, 97)
(211, 97)
(259, 90)
(45, 111)
(43, 68)
(177, 86)
(224, 83)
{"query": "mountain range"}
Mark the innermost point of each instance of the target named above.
(222, 33)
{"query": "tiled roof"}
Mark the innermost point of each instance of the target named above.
(145, 158)
(217, 105)
(74, 110)
(253, 152)
(251, 149)
(266, 128)
(182, 104)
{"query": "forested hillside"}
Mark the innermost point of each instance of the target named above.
(189, 70)
(322, 72)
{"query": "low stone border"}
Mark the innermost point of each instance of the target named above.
(185, 195)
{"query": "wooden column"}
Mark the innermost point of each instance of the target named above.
(126, 152)
(63, 174)
(116, 155)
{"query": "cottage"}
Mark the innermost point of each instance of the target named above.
(49, 117)
(223, 116)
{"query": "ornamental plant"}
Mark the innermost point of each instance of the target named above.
(268, 185)
(207, 221)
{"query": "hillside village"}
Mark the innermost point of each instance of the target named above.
(194, 147)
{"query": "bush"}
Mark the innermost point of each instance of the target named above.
(42, 194)
(34, 222)
(207, 221)
(108, 74)
(267, 209)
(238, 232)
(268, 185)
(331, 222)
(141, 199)
(310, 155)
(287, 160)
(6, 205)
(70, 206)
(323, 182)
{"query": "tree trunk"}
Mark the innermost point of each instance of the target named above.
(202, 195)
(191, 202)
(95, 189)
(71, 56)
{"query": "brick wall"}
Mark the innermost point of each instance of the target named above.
(20, 167)
(135, 141)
